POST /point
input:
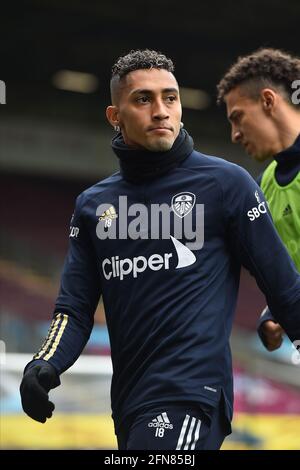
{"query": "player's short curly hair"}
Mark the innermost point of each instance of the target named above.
(265, 67)
(141, 59)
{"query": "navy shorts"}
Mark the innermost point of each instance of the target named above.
(183, 426)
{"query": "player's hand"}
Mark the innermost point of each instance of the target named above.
(271, 335)
(37, 381)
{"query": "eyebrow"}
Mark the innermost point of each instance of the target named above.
(149, 92)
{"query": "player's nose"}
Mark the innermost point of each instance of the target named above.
(236, 136)
(159, 110)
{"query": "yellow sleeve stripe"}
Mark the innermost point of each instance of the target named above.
(51, 333)
(54, 331)
(57, 339)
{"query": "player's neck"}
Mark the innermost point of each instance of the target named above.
(288, 130)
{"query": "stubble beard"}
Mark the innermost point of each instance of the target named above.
(160, 145)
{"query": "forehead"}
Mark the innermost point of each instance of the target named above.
(237, 99)
(154, 80)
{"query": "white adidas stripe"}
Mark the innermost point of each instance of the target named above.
(189, 436)
(182, 432)
(185, 437)
(197, 433)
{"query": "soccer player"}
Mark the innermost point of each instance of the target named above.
(163, 241)
(263, 107)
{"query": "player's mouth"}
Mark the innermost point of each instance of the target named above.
(160, 129)
(246, 146)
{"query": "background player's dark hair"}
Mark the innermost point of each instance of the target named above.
(263, 68)
(137, 60)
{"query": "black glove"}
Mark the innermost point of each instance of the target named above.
(38, 379)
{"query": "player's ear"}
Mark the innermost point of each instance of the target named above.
(268, 98)
(112, 115)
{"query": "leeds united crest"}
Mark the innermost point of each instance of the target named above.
(183, 203)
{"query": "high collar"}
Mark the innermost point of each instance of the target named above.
(141, 165)
(290, 154)
(288, 163)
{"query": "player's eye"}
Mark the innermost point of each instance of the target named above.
(171, 98)
(143, 99)
(236, 118)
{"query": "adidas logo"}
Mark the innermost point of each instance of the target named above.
(287, 210)
(161, 421)
(110, 213)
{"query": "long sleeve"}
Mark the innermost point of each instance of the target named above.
(77, 300)
(254, 240)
